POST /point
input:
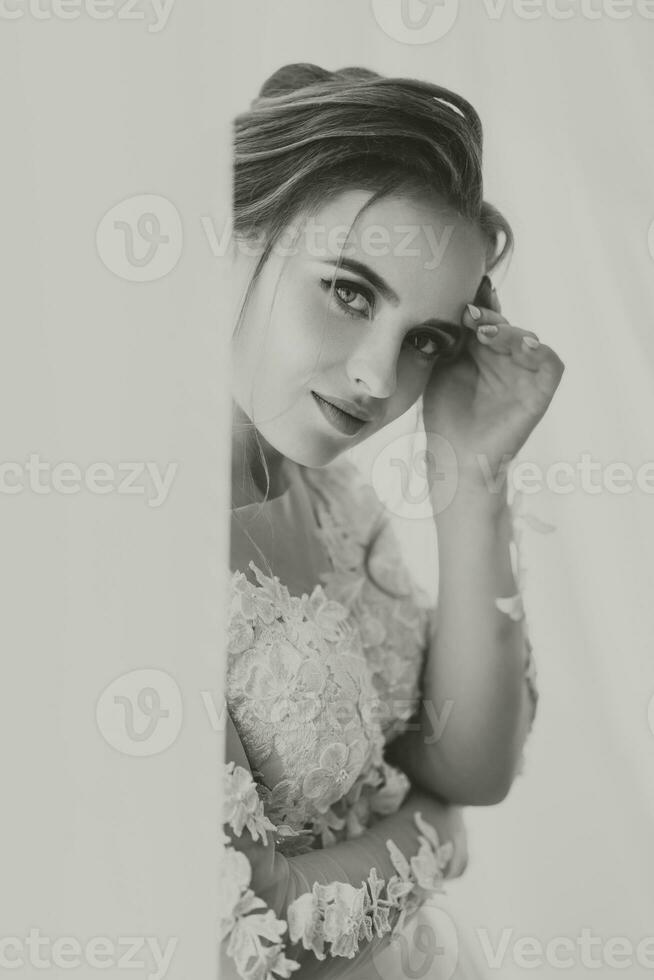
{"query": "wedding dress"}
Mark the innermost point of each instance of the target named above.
(327, 632)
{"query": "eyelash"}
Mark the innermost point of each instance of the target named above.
(370, 297)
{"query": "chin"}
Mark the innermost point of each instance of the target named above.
(316, 455)
(303, 436)
(308, 448)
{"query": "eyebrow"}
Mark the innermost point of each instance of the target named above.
(363, 270)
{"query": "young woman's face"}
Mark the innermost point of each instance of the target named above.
(407, 271)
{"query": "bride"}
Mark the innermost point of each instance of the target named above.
(361, 719)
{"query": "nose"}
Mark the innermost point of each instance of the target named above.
(373, 363)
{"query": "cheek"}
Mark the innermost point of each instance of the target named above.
(286, 345)
(295, 345)
(305, 338)
(412, 378)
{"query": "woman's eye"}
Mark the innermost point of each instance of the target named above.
(429, 345)
(354, 300)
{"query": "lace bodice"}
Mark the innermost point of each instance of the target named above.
(317, 684)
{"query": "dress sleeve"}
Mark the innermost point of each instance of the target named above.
(513, 606)
(309, 907)
(388, 561)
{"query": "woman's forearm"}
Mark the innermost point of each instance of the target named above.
(279, 879)
(474, 677)
(352, 860)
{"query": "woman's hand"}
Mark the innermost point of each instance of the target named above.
(489, 401)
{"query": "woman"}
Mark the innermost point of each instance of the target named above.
(364, 245)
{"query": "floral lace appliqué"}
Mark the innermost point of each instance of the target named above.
(331, 919)
(370, 579)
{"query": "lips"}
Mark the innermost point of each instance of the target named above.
(340, 419)
(350, 408)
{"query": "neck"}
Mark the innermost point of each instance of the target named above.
(247, 447)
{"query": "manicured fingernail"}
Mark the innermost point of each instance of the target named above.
(488, 330)
(531, 342)
(474, 311)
